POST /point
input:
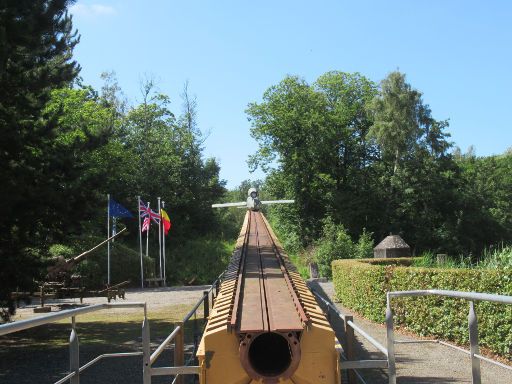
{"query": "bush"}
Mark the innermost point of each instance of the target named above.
(362, 286)
(498, 258)
(364, 247)
(334, 244)
(198, 261)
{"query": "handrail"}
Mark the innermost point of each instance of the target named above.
(472, 325)
(356, 328)
(184, 370)
(53, 317)
(455, 294)
(74, 375)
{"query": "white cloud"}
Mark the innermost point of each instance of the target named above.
(91, 10)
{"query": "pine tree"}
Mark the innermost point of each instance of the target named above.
(36, 44)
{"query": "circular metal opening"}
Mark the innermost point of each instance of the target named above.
(269, 354)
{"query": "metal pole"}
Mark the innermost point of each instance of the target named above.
(473, 342)
(179, 345)
(349, 347)
(146, 352)
(108, 236)
(390, 343)
(140, 246)
(206, 307)
(160, 237)
(163, 251)
(74, 362)
(147, 235)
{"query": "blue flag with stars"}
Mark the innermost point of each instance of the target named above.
(117, 210)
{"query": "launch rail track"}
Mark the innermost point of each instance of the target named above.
(265, 298)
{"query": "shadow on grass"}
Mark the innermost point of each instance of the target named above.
(41, 354)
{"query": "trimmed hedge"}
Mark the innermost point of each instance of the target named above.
(362, 286)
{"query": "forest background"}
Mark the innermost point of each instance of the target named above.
(361, 160)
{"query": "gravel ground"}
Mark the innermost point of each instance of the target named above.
(416, 362)
(156, 299)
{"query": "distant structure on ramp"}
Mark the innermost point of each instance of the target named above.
(253, 202)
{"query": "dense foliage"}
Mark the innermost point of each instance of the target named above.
(372, 160)
(362, 285)
(65, 146)
(36, 43)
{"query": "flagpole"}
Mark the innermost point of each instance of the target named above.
(140, 246)
(147, 233)
(160, 237)
(163, 248)
(108, 236)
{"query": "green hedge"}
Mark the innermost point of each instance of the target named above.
(362, 286)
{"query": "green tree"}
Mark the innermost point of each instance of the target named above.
(36, 44)
(316, 135)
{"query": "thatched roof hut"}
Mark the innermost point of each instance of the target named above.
(392, 246)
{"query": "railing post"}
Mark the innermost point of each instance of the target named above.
(390, 342)
(473, 342)
(146, 352)
(349, 348)
(213, 298)
(217, 285)
(74, 361)
(179, 353)
(206, 304)
(41, 291)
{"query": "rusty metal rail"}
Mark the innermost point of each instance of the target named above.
(265, 298)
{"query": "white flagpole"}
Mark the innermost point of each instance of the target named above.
(163, 249)
(140, 244)
(160, 238)
(108, 236)
(147, 234)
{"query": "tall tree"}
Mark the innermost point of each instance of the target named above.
(398, 113)
(418, 176)
(316, 134)
(36, 44)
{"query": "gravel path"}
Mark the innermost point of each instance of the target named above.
(416, 362)
(156, 299)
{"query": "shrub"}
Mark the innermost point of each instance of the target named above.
(334, 244)
(198, 261)
(498, 258)
(362, 286)
(364, 247)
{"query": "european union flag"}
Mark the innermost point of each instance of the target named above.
(117, 210)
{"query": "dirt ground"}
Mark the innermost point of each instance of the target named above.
(41, 355)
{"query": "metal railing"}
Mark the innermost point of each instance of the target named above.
(74, 348)
(472, 324)
(180, 368)
(349, 363)
(390, 363)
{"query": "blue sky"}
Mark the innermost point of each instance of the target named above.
(458, 53)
